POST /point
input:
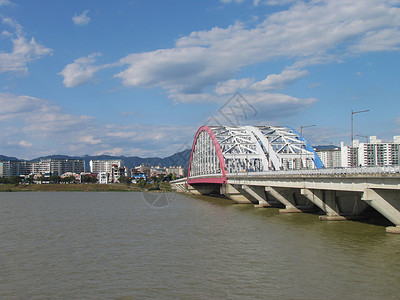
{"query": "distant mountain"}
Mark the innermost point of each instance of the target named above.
(6, 158)
(178, 159)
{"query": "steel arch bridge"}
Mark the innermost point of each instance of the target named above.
(221, 150)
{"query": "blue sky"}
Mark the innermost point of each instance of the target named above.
(139, 77)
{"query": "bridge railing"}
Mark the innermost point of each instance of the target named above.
(327, 172)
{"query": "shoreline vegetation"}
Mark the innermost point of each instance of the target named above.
(85, 187)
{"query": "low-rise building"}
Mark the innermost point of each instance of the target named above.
(102, 177)
(179, 171)
(117, 172)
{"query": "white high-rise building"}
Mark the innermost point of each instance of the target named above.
(331, 158)
(44, 166)
(374, 153)
(97, 166)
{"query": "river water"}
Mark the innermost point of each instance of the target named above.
(77, 245)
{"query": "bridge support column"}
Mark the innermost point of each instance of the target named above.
(285, 196)
(258, 193)
(337, 206)
(387, 202)
(325, 200)
(202, 189)
(234, 193)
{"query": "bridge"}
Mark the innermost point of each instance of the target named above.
(275, 166)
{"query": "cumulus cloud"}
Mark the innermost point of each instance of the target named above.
(201, 66)
(307, 33)
(82, 19)
(382, 40)
(274, 106)
(279, 81)
(89, 139)
(232, 86)
(230, 1)
(80, 71)
(265, 2)
(41, 126)
(5, 2)
(23, 50)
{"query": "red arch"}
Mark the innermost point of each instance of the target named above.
(219, 155)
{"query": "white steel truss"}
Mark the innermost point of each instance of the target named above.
(251, 149)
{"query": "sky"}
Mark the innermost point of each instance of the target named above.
(138, 78)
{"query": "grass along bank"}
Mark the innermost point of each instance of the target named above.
(84, 187)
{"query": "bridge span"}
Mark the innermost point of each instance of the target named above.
(271, 166)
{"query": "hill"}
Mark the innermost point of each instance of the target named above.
(177, 159)
(6, 158)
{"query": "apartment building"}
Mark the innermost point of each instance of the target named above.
(15, 168)
(374, 153)
(44, 166)
(97, 166)
(60, 166)
(331, 158)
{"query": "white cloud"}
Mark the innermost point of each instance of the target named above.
(81, 19)
(22, 52)
(265, 2)
(273, 106)
(313, 32)
(80, 71)
(89, 139)
(5, 2)
(279, 81)
(232, 86)
(25, 144)
(230, 1)
(382, 40)
(43, 127)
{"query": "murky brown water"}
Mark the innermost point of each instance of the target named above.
(115, 246)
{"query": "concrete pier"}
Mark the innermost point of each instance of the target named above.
(340, 196)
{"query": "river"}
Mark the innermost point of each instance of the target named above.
(77, 245)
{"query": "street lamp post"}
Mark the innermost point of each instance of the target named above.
(301, 148)
(351, 145)
(353, 113)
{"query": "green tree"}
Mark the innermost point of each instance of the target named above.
(124, 179)
(41, 178)
(160, 178)
(54, 179)
(142, 183)
(14, 180)
(68, 179)
(28, 180)
(88, 179)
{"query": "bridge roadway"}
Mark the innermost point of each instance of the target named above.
(340, 193)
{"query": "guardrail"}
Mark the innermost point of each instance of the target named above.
(385, 170)
(326, 172)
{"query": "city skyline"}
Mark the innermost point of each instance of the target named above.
(136, 78)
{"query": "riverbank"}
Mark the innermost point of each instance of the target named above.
(80, 187)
